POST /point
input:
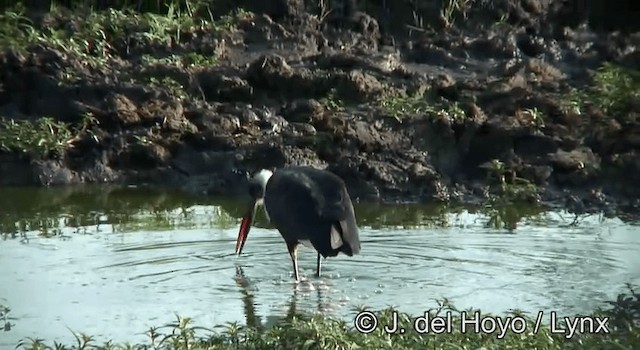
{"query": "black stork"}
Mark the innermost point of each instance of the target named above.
(308, 206)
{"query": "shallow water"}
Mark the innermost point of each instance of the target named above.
(114, 262)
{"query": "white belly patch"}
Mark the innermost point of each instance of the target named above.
(336, 240)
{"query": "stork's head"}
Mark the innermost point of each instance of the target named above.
(257, 189)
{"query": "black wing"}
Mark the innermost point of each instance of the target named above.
(317, 206)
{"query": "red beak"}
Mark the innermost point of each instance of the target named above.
(245, 226)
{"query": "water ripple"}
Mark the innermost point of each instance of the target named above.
(91, 280)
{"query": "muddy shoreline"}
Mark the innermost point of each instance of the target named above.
(283, 86)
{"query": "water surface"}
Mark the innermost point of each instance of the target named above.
(112, 262)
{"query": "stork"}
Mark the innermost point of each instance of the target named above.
(307, 206)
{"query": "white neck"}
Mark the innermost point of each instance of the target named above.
(262, 177)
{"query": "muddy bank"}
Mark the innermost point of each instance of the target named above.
(468, 109)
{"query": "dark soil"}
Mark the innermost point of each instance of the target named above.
(290, 89)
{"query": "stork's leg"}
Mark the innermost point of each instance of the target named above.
(318, 266)
(293, 252)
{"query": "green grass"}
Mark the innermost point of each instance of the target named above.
(188, 60)
(510, 187)
(93, 42)
(321, 332)
(402, 106)
(615, 91)
(451, 9)
(171, 85)
(43, 137)
(532, 116)
(333, 102)
(105, 34)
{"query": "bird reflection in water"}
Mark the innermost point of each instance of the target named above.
(254, 320)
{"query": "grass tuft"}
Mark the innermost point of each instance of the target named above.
(43, 137)
(451, 9)
(105, 34)
(615, 91)
(400, 107)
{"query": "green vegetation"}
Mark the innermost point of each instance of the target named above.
(505, 190)
(403, 106)
(615, 91)
(40, 137)
(43, 137)
(450, 12)
(533, 116)
(171, 85)
(105, 34)
(188, 60)
(451, 9)
(511, 187)
(99, 38)
(320, 332)
(332, 101)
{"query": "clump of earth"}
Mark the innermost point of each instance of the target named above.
(403, 103)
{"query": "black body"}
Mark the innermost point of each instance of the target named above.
(305, 203)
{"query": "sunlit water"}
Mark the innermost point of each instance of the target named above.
(116, 262)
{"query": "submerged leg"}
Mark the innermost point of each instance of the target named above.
(318, 266)
(293, 252)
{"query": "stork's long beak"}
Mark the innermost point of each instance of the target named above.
(245, 225)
